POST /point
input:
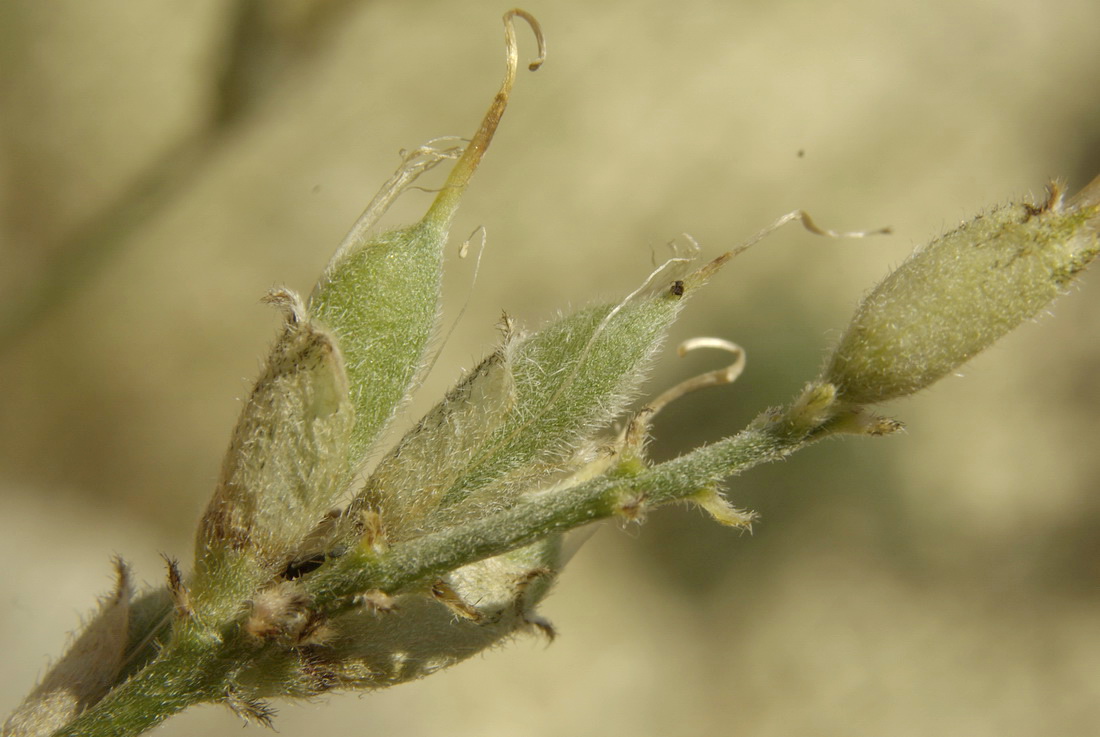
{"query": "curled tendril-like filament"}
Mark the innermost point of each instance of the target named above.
(809, 224)
(726, 375)
(510, 40)
(447, 200)
(634, 434)
(426, 157)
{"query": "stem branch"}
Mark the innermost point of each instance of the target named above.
(430, 556)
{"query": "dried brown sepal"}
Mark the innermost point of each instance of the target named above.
(284, 613)
(251, 711)
(524, 606)
(862, 422)
(181, 597)
(448, 597)
(632, 507)
(540, 625)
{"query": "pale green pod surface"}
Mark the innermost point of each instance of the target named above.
(85, 673)
(523, 418)
(381, 301)
(408, 483)
(287, 462)
(954, 297)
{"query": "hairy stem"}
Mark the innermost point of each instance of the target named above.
(182, 676)
(195, 668)
(432, 555)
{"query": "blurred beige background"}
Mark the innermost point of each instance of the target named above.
(162, 164)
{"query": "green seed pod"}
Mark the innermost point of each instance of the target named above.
(952, 298)
(286, 464)
(85, 673)
(337, 374)
(526, 416)
(380, 294)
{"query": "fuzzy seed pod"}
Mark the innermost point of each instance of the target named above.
(954, 297)
(285, 466)
(85, 673)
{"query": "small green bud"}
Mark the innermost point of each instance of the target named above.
(954, 297)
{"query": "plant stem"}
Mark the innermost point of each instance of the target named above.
(435, 554)
(193, 668)
(181, 676)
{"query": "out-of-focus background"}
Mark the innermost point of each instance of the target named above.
(162, 164)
